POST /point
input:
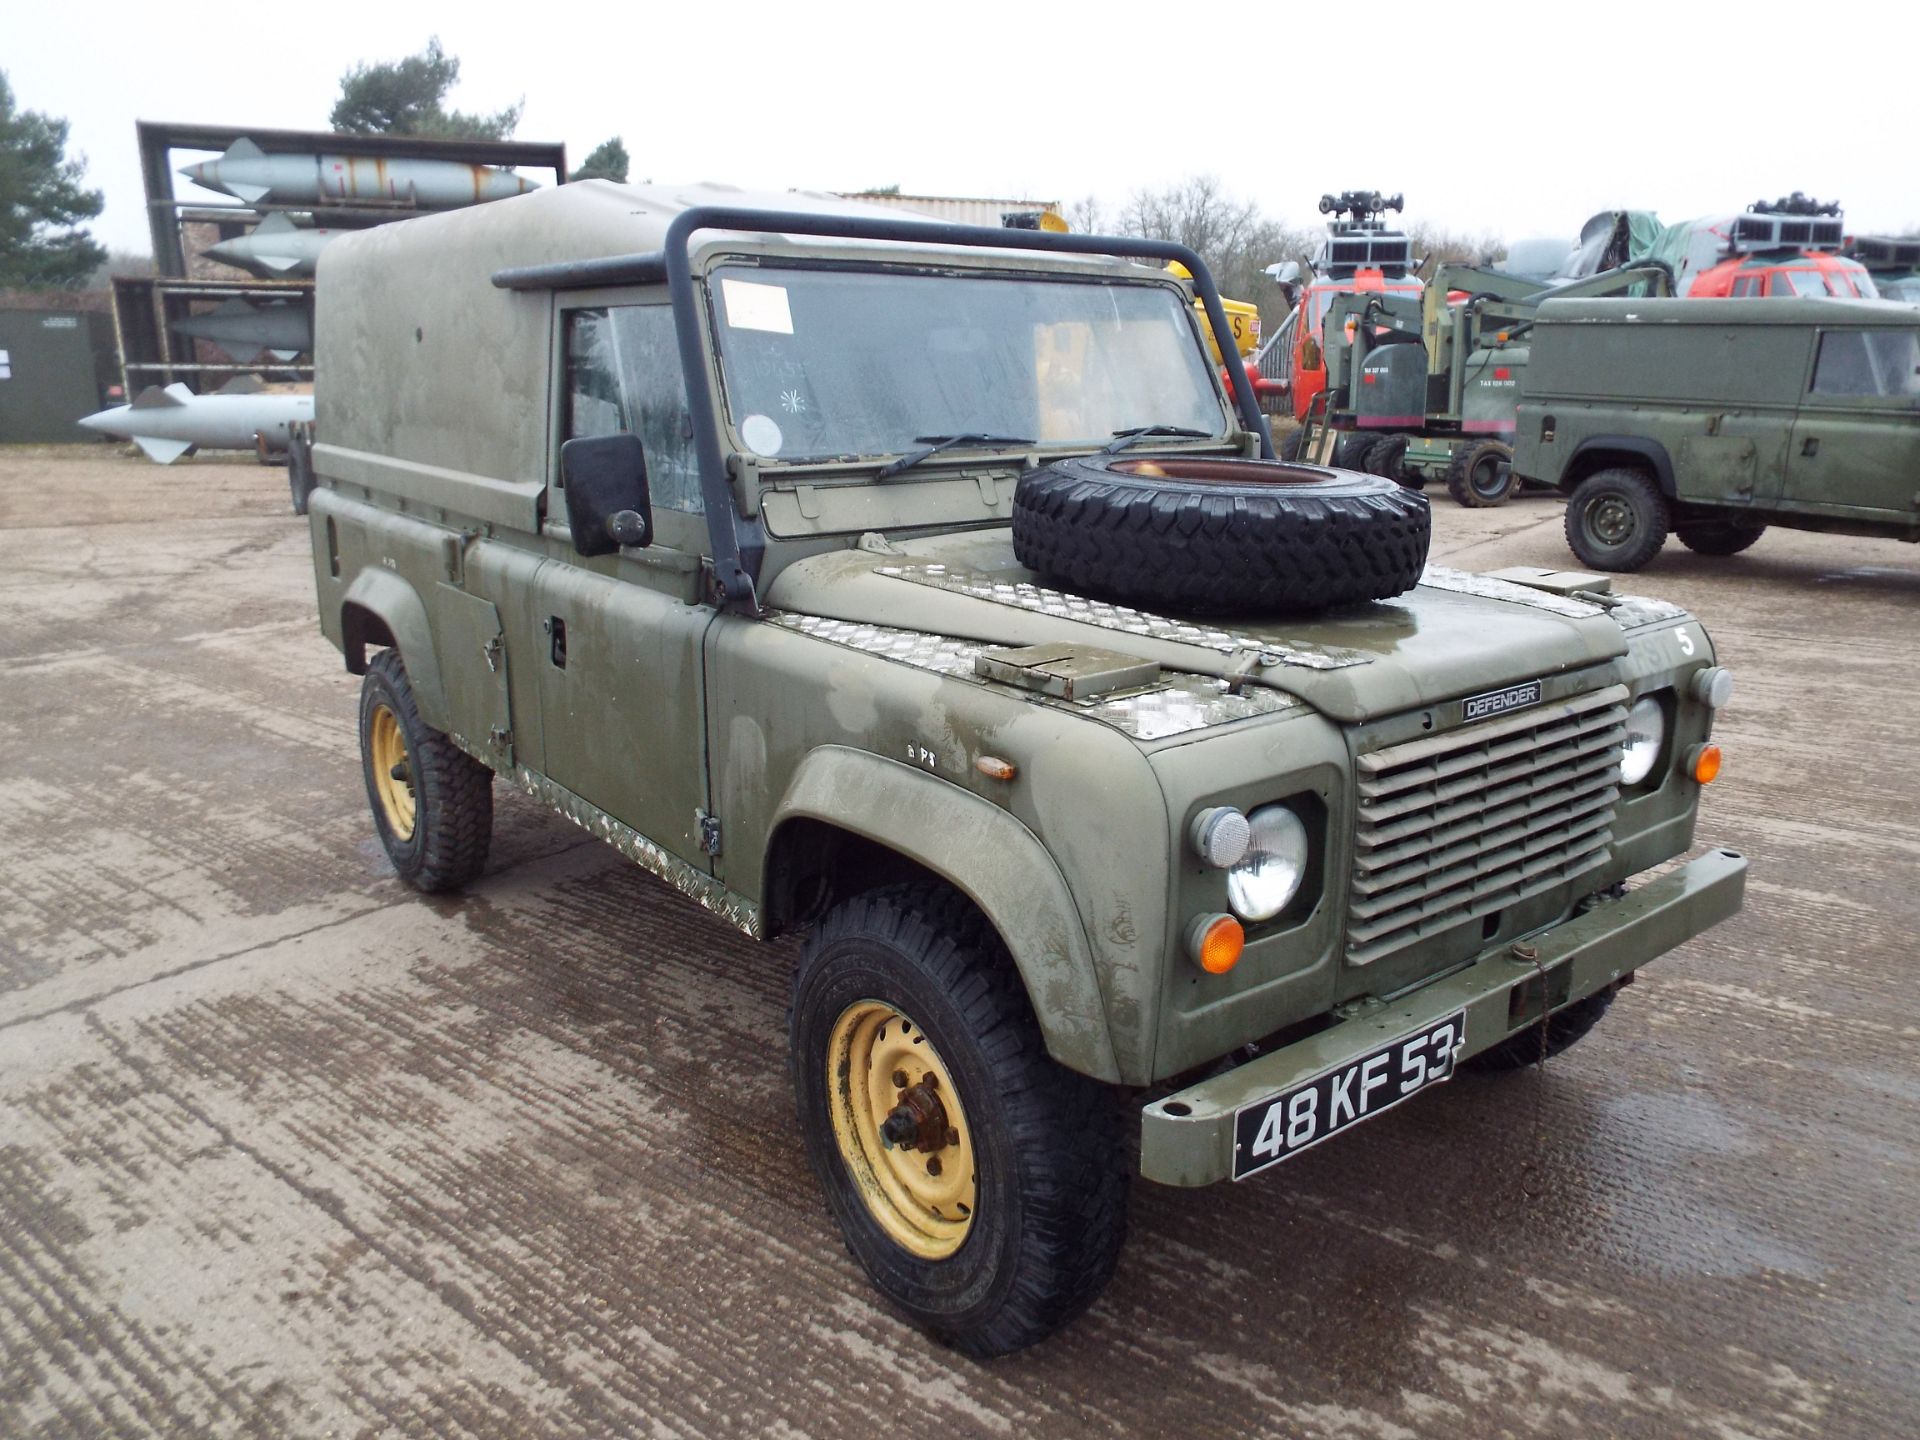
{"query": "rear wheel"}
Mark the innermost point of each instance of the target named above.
(982, 1187)
(1717, 537)
(432, 802)
(1616, 520)
(1564, 1029)
(1481, 474)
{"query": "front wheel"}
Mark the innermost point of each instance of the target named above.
(981, 1186)
(1616, 520)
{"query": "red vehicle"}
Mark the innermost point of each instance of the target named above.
(1789, 246)
(1359, 255)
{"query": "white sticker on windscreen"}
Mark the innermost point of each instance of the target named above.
(762, 434)
(756, 307)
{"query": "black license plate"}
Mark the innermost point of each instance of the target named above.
(1269, 1131)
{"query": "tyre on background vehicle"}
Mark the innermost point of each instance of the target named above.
(1617, 519)
(432, 802)
(1717, 537)
(1350, 452)
(1564, 1028)
(1384, 457)
(1206, 536)
(1481, 474)
(980, 1184)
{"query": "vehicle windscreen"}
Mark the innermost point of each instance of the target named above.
(1879, 363)
(821, 363)
(1801, 281)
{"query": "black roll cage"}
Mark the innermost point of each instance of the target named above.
(738, 545)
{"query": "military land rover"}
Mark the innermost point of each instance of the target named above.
(1712, 421)
(920, 588)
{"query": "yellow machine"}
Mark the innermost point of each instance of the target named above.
(1241, 315)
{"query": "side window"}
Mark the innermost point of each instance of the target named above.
(1746, 285)
(1868, 362)
(623, 373)
(1843, 367)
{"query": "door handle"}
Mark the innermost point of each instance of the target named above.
(1810, 445)
(557, 629)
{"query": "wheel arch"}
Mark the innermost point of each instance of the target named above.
(851, 821)
(1602, 452)
(381, 609)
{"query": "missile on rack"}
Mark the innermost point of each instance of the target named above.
(170, 423)
(248, 173)
(275, 249)
(244, 331)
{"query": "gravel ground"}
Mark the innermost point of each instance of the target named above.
(286, 1149)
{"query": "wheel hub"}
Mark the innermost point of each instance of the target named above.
(901, 1129)
(919, 1121)
(1610, 519)
(392, 773)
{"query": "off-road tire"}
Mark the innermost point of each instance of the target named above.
(1717, 537)
(452, 792)
(1472, 472)
(1219, 537)
(1385, 456)
(1290, 444)
(1565, 1028)
(1051, 1169)
(1616, 519)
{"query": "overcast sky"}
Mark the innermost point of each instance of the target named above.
(1517, 119)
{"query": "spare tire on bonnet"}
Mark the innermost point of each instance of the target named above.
(1220, 537)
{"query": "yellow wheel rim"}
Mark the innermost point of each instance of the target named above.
(881, 1068)
(392, 772)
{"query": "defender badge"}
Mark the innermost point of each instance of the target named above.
(1499, 702)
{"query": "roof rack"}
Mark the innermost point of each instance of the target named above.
(1880, 253)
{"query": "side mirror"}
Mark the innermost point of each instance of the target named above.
(606, 489)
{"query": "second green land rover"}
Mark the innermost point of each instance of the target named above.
(1712, 421)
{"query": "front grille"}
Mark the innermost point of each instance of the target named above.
(1456, 826)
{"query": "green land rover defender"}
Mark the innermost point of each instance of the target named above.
(924, 591)
(1713, 419)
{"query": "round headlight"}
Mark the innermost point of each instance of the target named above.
(1646, 729)
(1269, 874)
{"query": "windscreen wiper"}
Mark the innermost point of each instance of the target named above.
(936, 443)
(1123, 438)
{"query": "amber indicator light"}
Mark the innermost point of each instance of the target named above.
(1706, 764)
(1219, 945)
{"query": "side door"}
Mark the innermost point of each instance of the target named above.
(1856, 442)
(622, 681)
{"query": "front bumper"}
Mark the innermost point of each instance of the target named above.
(1187, 1138)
